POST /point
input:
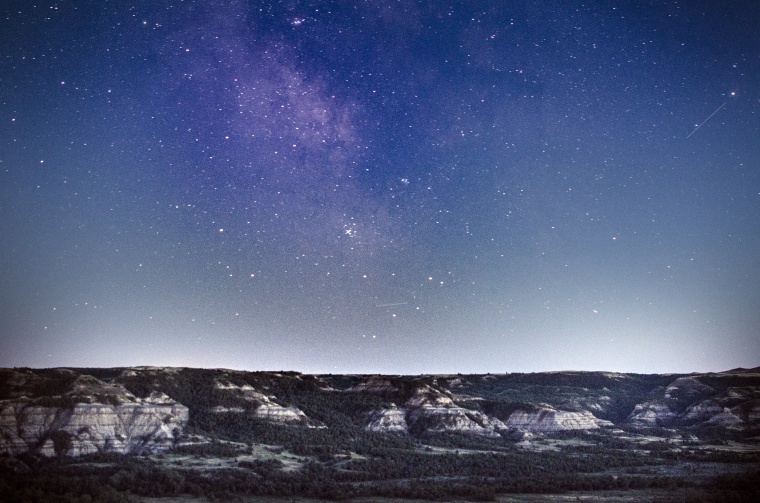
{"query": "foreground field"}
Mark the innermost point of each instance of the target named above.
(577, 466)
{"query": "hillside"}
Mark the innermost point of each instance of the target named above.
(287, 433)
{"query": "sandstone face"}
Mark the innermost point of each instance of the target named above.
(279, 414)
(10, 441)
(548, 419)
(455, 419)
(266, 408)
(431, 410)
(430, 419)
(374, 384)
(651, 414)
(153, 419)
(245, 392)
(68, 412)
(726, 418)
(388, 420)
(743, 393)
(690, 402)
(221, 410)
(34, 421)
(702, 411)
(427, 396)
(687, 389)
(86, 426)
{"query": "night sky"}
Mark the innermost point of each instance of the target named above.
(380, 186)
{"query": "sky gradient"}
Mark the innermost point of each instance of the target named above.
(381, 186)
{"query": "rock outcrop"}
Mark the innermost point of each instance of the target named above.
(548, 419)
(279, 414)
(705, 400)
(263, 406)
(652, 414)
(702, 411)
(391, 420)
(430, 410)
(726, 418)
(374, 384)
(133, 426)
(143, 409)
(687, 389)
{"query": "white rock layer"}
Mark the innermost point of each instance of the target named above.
(391, 420)
(651, 414)
(84, 428)
(549, 419)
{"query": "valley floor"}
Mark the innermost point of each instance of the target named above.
(630, 496)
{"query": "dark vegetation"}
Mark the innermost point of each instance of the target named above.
(389, 472)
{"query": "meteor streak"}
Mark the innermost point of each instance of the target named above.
(715, 112)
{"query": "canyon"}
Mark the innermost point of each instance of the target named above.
(71, 412)
(116, 434)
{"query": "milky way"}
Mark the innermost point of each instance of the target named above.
(398, 187)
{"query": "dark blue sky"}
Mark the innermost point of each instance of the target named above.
(380, 186)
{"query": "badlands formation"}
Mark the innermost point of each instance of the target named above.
(73, 412)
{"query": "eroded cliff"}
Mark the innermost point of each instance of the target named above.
(147, 409)
(91, 416)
